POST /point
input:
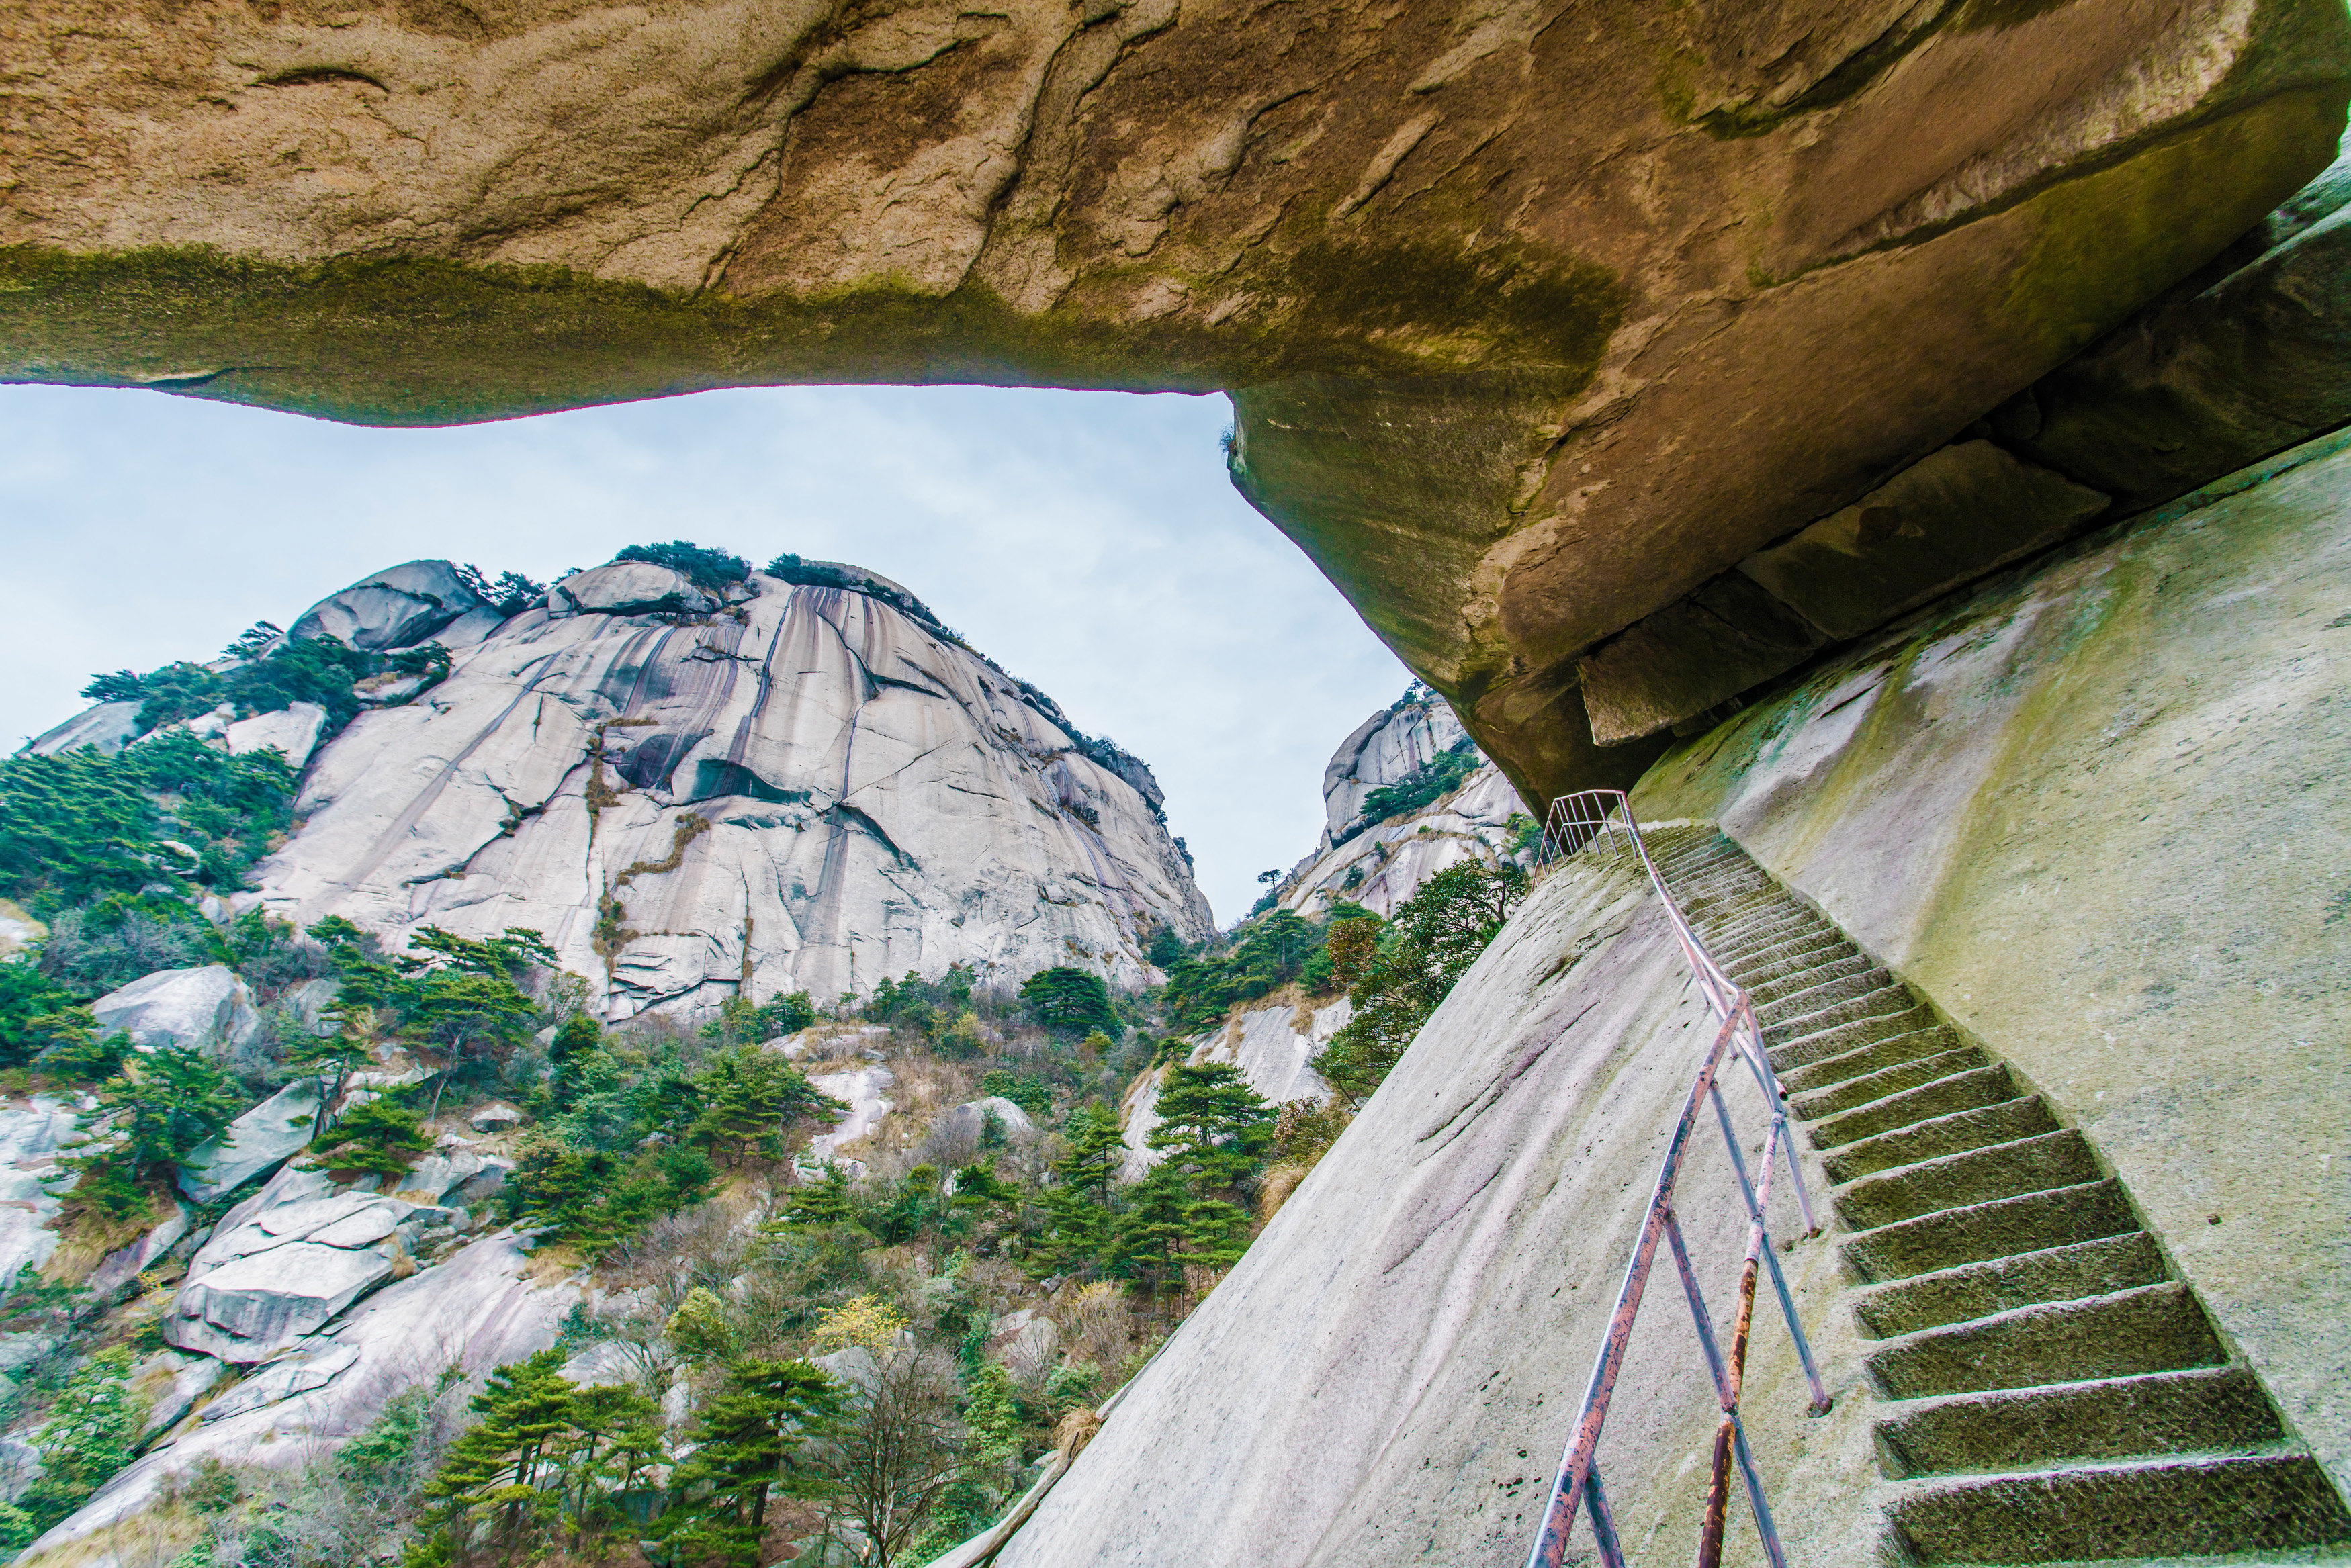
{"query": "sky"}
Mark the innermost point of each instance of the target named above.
(1088, 542)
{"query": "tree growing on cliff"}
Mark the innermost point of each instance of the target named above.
(1071, 1000)
(1436, 936)
(1212, 1125)
(757, 1437)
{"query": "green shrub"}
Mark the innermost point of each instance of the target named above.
(1436, 936)
(707, 569)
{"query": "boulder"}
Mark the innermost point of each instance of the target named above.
(308, 1003)
(271, 1133)
(32, 1135)
(1025, 1343)
(282, 1264)
(496, 1116)
(457, 1178)
(206, 1008)
(107, 728)
(395, 608)
(171, 1383)
(474, 1312)
(292, 730)
(628, 587)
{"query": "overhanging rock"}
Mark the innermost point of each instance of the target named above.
(1538, 322)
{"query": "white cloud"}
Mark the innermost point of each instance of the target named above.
(1088, 542)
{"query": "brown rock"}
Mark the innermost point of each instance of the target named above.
(1536, 319)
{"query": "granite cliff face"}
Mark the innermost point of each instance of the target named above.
(1539, 322)
(698, 794)
(1378, 864)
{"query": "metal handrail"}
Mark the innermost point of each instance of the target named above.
(1575, 822)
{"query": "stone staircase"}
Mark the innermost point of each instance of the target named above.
(2051, 1390)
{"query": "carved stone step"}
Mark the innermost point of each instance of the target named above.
(2188, 1507)
(2059, 1158)
(1985, 1230)
(1971, 1290)
(1967, 1091)
(2189, 1412)
(2155, 1328)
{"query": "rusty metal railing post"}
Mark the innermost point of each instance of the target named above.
(1575, 1465)
(1572, 824)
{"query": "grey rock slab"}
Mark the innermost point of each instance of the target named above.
(860, 1090)
(251, 1307)
(206, 1008)
(309, 1002)
(1955, 515)
(1387, 748)
(496, 1116)
(107, 728)
(394, 609)
(271, 1133)
(292, 730)
(477, 1312)
(460, 1175)
(282, 1264)
(1385, 864)
(172, 1384)
(33, 1132)
(628, 587)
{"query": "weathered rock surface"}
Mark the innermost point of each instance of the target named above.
(810, 790)
(292, 730)
(117, 1271)
(32, 1133)
(107, 727)
(284, 1263)
(455, 1178)
(1390, 1371)
(171, 1383)
(1387, 748)
(475, 1311)
(206, 1008)
(2097, 811)
(863, 1090)
(1538, 325)
(1381, 866)
(271, 1133)
(628, 587)
(398, 607)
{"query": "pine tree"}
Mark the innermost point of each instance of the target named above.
(750, 1440)
(1214, 1127)
(90, 1434)
(1097, 1152)
(1070, 999)
(495, 1467)
(613, 1435)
